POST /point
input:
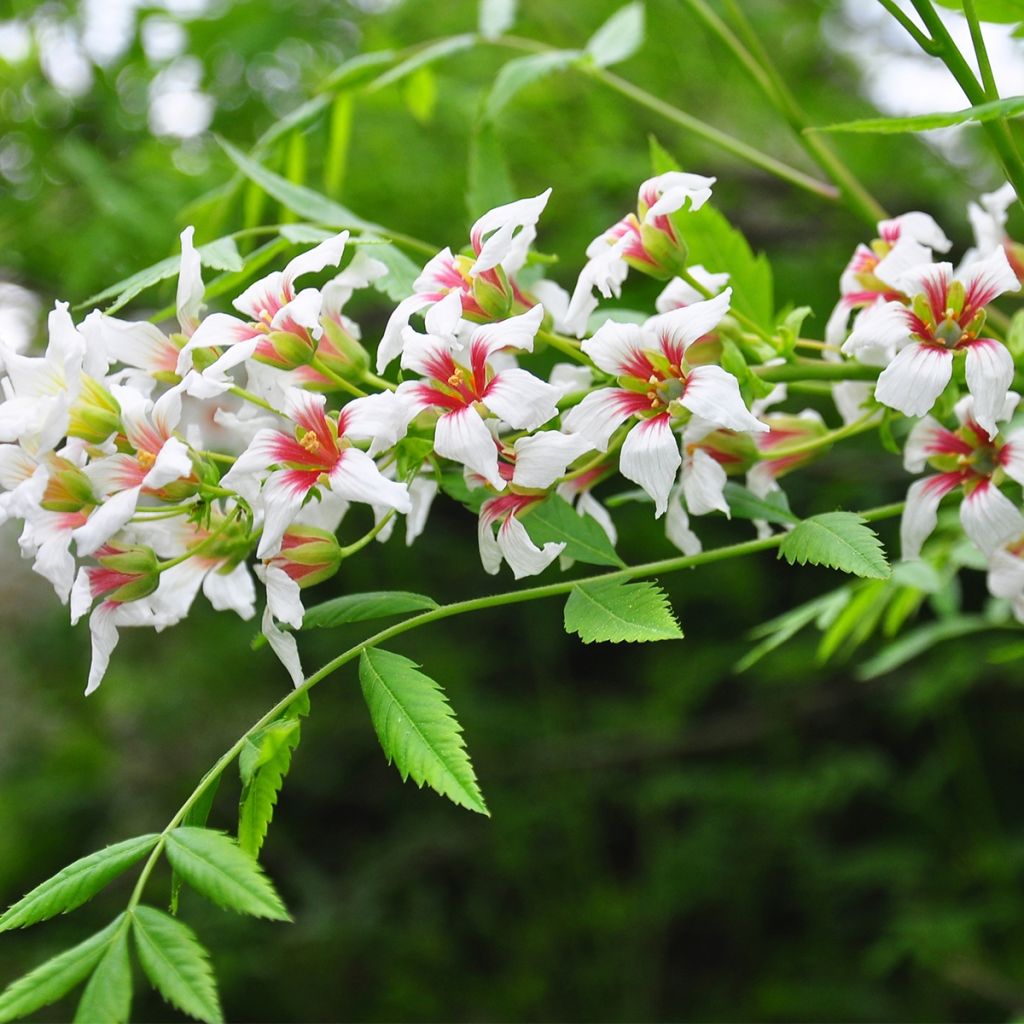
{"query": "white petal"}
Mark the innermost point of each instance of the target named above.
(650, 457)
(1005, 574)
(878, 334)
(673, 190)
(422, 491)
(1011, 456)
(516, 332)
(502, 221)
(599, 415)
(677, 529)
(105, 521)
(391, 343)
(173, 463)
(987, 278)
(714, 395)
(678, 293)
(463, 437)
(703, 483)
(442, 319)
(283, 595)
(231, 591)
(55, 563)
(989, 376)
(218, 330)
(381, 418)
(281, 502)
(682, 327)
(523, 556)
(618, 348)
(850, 397)
(190, 284)
(570, 377)
(284, 646)
(103, 631)
(522, 400)
(140, 344)
(920, 227)
(904, 256)
(303, 312)
(542, 458)
(921, 442)
(920, 514)
(914, 379)
(357, 478)
(327, 254)
(989, 517)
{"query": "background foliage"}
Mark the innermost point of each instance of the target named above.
(669, 838)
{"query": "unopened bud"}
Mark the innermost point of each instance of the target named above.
(493, 293)
(68, 489)
(285, 350)
(308, 555)
(95, 415)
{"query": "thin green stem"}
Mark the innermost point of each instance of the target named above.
(322, 368)
(378, 382)
(255, 400)
(759, 65)
(866, 422)
(816, 369)
(692, 124)
(734, 313)
(567, 346)
(228, 460)
(367, 537)
(925, 42)
(204, 545)
(988, 80)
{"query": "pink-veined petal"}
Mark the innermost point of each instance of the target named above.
(541, 459)
(300, 314)
(356, 477)
(1011, 456)
(928, 437)
(283, 595)
(703, 484)
(523, 556)
(427, 354)
(516, 332)
(620, 349)
(714, 395)
(989, 376)
(915, 378)
(672, 190)
(678, 329)
(650, 457)
(906, 255)
(987, 278)
(142, 345)
(919, 227)
(989, 517)
(463, 437)
(601, 413)
(522, 400)
(920, 514)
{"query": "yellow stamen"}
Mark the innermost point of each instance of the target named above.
(310, 441)
(146, 459)
(456, 378)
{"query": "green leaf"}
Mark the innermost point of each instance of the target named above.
(1006, 11)
(55, 978)
(496, 17)
(215, 866)
(176, 964)
(920, 640)
(356, 70)
(488, 181)
(662, 161)
(304, 234)
(613, 612)
(430, 53)
(108, 996)
(839, 540)
(773, 507)
(517, 74)
(1010, 106)
(619, 37)
(554, 519)
(854, 625)
(76, 883)
(373, 604)
(297, 198)
(417, 728)
(420, 94)
(197, 815)
(267, 758)
(220, 254)
(397, 283)
(712, 241)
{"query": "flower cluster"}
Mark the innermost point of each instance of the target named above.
(147, 465)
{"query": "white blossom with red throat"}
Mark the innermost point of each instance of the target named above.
(511, 541)
(658, 386)
(319, 454)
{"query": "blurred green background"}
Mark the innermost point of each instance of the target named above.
(670, 839)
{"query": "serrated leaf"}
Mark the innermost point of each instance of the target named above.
(488, 181)
(426, 55)
(176, 964)
(55, 978)
(373, 604)
(619, 37)
(220, 254)
(297, 198)
(263, 775)
(108, 995)
(517, 74)
(397, 283)
(615, 612)
(197, 815)
(554, 519)
(496, 17)
(76, 883)
(773, 507)
(417, 728)
(838, 540)
(1010, 106)
(216, 867)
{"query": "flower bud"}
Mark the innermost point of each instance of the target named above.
(493, 293)
(339, 350)
(95, 414)
(286, 350)
(787, 431)
(124, 574)
(308, 555)
(68, 489)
